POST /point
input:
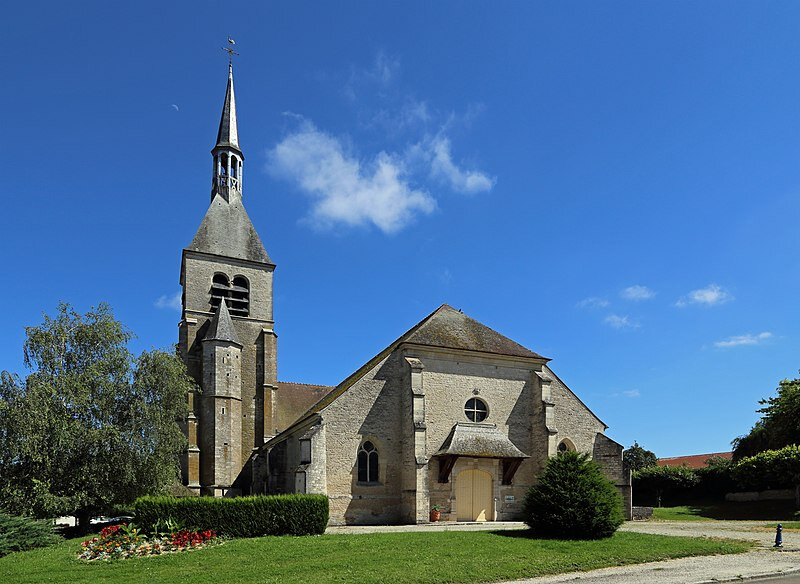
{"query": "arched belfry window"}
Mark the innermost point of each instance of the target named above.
(367, 463)
(240, 296)
(220, 288)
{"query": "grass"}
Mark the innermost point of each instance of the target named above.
(773, 510)
(398, 558)
(790, 525)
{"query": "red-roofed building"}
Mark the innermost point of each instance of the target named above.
(695, 460)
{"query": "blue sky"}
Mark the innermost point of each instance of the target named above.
(612, 184)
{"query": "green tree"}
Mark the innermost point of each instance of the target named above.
(656, 483)
(573, 500)
(779, 425)
(90, 427)
(636, 458)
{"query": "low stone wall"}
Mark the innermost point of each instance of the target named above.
(769, 495)
(641, 513)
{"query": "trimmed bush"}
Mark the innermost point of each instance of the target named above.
(238, 517)
(573, 500)
(18, 534)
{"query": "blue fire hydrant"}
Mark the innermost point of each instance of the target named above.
(779, 536)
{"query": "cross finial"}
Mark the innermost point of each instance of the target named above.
(230, 51)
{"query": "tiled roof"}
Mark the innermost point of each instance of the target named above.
(226, 230)
(694, 460)
(294, 400)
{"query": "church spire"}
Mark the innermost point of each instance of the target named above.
(228, 158)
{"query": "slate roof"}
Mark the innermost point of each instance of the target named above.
(450, 328)
(221, 327)
(479, 441)
(226, 230)
(228, 133)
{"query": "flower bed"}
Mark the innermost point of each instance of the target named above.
(126, 541)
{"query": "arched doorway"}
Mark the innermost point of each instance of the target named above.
(474, 500)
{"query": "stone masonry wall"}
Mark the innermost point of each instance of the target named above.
(255, 332)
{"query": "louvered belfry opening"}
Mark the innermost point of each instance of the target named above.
(235, 293)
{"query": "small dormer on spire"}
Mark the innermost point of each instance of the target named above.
(228, 158)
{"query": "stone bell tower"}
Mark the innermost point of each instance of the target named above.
(227, 333)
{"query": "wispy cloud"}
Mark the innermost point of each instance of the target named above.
(343, 189)
(592, 302)
(711, 295)
(621, 322)
(742, 340)
(628, 393)
(169, 301)
(381, 73)
(460, 180)
(637, 293)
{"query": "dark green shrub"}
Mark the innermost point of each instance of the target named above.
(238, 517)
(771, 469)
(18, 534)
(573, 500)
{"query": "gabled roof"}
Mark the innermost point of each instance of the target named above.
(226, 230)
(221, 327)
(467, 334)
(228, 133)
(480, 441)
(451, 329)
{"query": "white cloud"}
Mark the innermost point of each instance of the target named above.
(170, 301)
(343, 189)
(711, 295)
(741, 340)
(592, 302)
(460, 180)
(637, 293)
(621, 322)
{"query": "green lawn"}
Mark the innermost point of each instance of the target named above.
(479, 556)
(773, 510)
(794, 525)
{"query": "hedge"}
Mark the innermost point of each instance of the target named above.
(239, 516)
(671, 485)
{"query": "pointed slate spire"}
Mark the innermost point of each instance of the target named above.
(228, 134)
(221, 328)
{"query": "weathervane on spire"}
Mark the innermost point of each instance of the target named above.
(230, 51)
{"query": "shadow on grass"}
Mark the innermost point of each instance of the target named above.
(727, 510)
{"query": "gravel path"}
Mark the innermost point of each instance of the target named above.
(763, 561)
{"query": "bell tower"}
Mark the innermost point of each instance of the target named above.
(227, 333)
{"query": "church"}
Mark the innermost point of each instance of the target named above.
(451, 416)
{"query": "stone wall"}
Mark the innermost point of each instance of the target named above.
(258, 356)
(608, 454)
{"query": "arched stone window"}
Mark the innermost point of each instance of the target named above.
(566, 445)
(367, 463)
(240, 296)
(476, 410)
(220, 288)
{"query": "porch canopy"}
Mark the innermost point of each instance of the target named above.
(478, 441)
